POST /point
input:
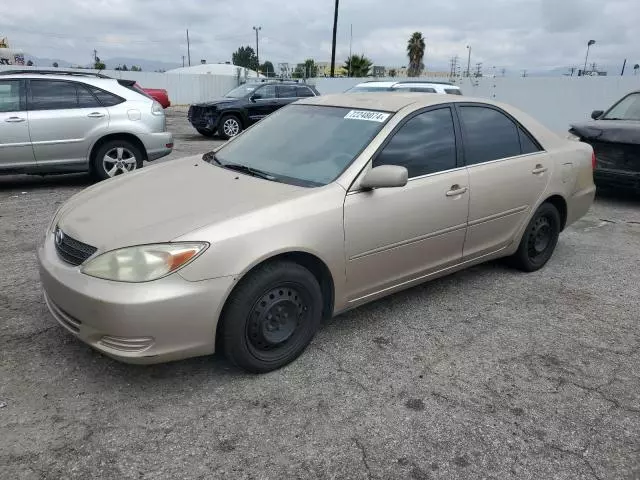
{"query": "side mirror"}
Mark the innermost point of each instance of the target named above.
(385, 176)
(255, 96)
(596, 114)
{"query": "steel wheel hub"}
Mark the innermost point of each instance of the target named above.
(276, 317)
(540, 237)
(119, 160)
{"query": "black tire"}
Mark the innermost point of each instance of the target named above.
(539, 239)
(225, 122)
(206, 132)
(271, 317)
(131, 155)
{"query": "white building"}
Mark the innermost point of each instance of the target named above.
(223, 69)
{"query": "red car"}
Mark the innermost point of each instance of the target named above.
(160, 95)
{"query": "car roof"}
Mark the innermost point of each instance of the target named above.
(388, 101)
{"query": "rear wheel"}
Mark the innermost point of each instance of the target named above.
(206, 132)
(229, 127)
(539, 239)
(271, 317)
(116, 157)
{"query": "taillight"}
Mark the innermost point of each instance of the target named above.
(593, 160)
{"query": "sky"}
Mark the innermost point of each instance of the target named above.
(511, 34)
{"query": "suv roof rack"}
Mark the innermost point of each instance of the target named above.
(436, 82)
(52, 72)
(273, 79)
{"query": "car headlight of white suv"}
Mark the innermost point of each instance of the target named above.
(143, 263)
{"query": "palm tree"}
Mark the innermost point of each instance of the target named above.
(358, 65)
(415, 50)
(635, 68)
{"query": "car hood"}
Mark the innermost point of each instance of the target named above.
(615, 131)
(217, 102)
(163, 202)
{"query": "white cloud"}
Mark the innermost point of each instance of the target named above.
(511, 33)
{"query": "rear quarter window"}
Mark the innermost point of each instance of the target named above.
(453, 91)
(106, 99)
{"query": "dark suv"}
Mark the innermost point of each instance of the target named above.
(245, 105)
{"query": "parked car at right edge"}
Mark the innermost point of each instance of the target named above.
(406, 86)
(245, 105)
(615, 138)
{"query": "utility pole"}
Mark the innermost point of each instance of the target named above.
(350, 42)
(257, 29)
(183, 60)
(95, 57)
(188, 48)
(623, 65)
(469, 61)
(589, 43)
(524, 73)
(478, 72)
(333, 45)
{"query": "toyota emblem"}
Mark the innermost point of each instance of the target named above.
(59, 236)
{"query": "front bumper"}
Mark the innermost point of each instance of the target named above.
(157, 145)
(153, 322)
(206, 119)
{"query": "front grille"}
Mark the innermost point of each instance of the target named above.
(195, 113)
(71, 250)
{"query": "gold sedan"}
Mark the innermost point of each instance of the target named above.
(327, 204)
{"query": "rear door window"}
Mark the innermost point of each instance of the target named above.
(286, 91)
(52, 95)
(488, 135)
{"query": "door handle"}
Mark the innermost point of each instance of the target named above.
(456, 190)
(96, 115)
(14, 119)
(539, 169)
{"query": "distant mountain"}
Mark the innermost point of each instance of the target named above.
(48, 62)
(145, 65)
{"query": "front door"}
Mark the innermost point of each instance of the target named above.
(508, 172)
(264, 102)
(396, 235)
(15, 143)
(64, 119)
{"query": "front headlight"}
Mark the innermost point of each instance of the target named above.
(144, 262)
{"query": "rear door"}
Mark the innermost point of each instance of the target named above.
(15, 143)
(65, 118)
(286, 94)
(508, 172)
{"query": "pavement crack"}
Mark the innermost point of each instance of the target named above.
(363, 454)
(344, 370)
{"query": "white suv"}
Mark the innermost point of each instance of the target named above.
(407, 86)
(62, 122)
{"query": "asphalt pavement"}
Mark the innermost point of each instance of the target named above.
(488, 373)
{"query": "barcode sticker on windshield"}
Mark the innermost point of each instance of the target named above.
(367, 115)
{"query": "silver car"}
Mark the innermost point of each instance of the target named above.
(65, 122)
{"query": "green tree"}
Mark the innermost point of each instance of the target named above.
(267, 69)
(393, 72)
(134, 68)
(29, 63)
(245, 57)
(310, 68)
(415, 50)
(54, 64)
(358, 66)
(99, 65)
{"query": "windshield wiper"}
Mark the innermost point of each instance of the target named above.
(248, 170)
(211, 157)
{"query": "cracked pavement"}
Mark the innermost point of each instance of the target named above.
(489, 373)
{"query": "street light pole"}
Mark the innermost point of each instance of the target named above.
(589, 43)
(333, 45)
(257, 29)
(469, 61)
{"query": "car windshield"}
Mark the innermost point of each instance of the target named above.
(241, 91)
(357, 89)
(626, 109)
(305, 145)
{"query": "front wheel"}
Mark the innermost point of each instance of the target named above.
(271, 317)
(229, 127)
(539, 239)
(116, 157)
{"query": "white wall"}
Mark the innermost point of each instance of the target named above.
(554, 101)
(182, 89)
